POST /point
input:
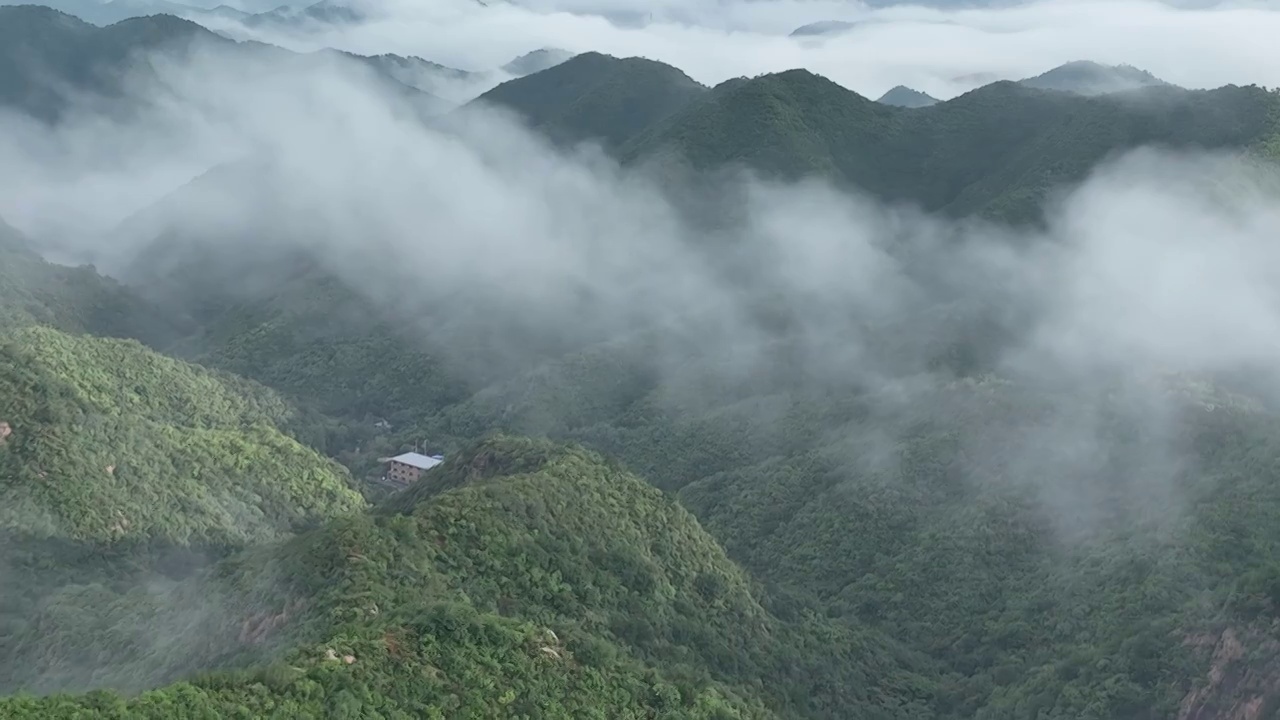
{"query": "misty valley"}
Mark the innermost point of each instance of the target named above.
(337, 382)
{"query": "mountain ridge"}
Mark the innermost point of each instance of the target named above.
(75, 61)
(563, 596)
(596, 96)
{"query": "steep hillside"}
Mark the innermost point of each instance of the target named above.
(596, 97)
(792, 124)
(997, 151)
(73, 299)
(1061, 551)
(121, 468)
(520, 579)
(319, 342)
(108, 441)
(49, 60)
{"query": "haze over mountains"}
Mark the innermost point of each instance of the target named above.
(759, 398)
(715, 41)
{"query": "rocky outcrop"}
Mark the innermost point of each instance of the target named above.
(1243, 681)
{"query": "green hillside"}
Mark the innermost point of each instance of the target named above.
(1078, 601)
(319, 342)
(110, 442)
(525, 579)
(124, 469)
(596, 97)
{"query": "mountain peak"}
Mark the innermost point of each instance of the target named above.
(903, 96)
(1085, 77)
(597, 97)
(823, 27)
(537, 61)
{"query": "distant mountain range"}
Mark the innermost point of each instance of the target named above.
(104, 55)
(113, 11)
(39, 77)
(1080, 77)
(795, 123)
(325, 12)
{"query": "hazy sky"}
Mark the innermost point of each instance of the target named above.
(926, 48)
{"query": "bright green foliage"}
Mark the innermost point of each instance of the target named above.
(1061, 578)
(112, 441)
(539, 582)
(597, 97)
(443, 661)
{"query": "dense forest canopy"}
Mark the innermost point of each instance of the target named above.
(761, 400)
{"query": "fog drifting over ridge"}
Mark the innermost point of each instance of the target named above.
(1157, 263)
(937, 51)
(483, 201)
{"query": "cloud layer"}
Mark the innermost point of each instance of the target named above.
(938, 51)
(1158, 263)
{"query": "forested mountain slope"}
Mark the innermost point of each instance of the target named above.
(996, 151)
(73, 299)
(121, 468)
(1091, 581)
(109, 441)
(520, 579)
(596, 97)
(49, 59)
(1000, 151)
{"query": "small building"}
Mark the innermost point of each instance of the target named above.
(407, 468)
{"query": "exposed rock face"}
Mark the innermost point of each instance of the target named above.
(1243, 680)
